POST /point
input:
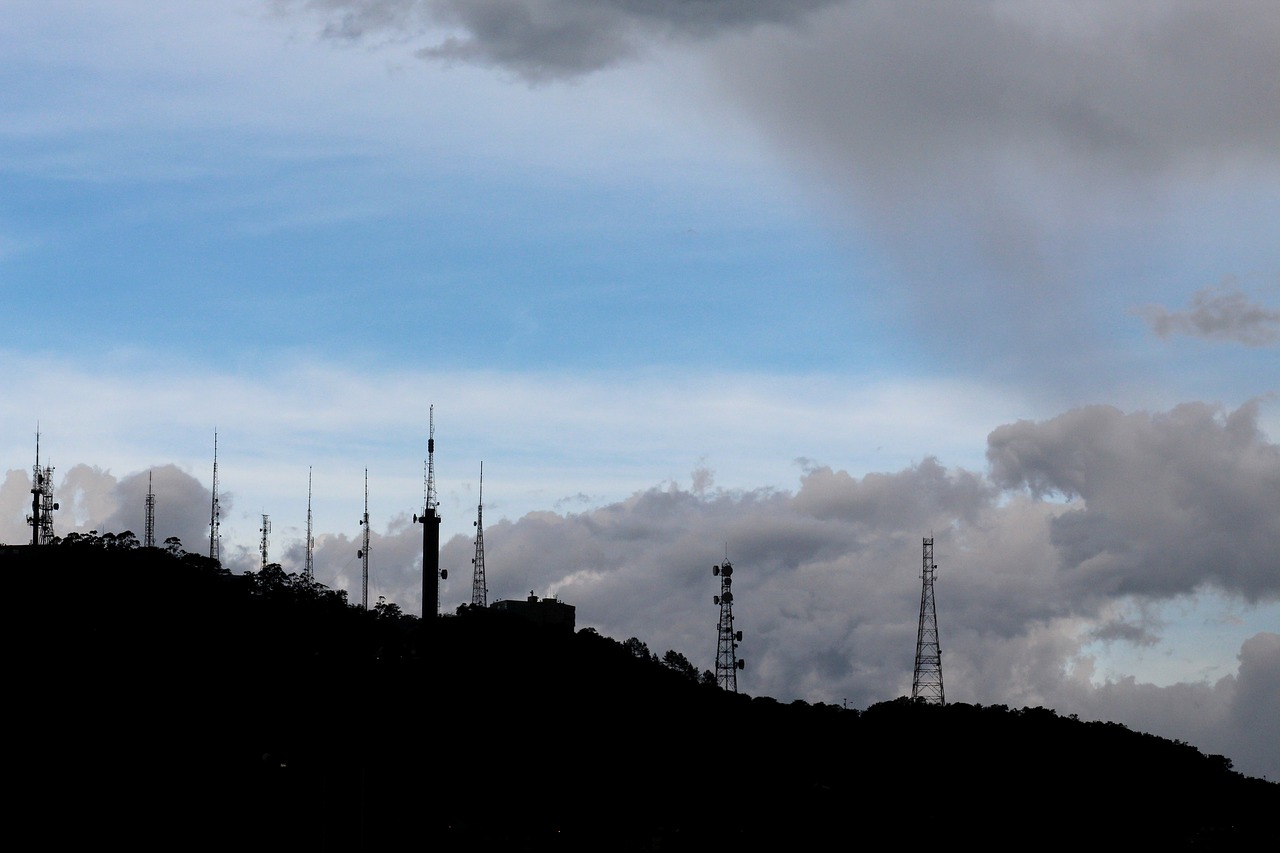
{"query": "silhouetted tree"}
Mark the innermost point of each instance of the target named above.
(638, 649)
(678, 663)
(386, 609)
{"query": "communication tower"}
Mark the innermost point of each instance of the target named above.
(308, 565)
(42, 503)
(215, 543)
(727, 661)
(479, 590)
(926, 685)
(149, 530)
(363, 553)
(432, 574)
(266, 532)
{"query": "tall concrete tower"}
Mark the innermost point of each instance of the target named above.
(432, 574)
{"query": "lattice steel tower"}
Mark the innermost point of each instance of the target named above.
(266, 533)
(727, 661)
(42, 503)
(149, 534)
(215, 538)
(479, 589)
(308, 565)
(363, 553)
(926, 685)
(432, 574)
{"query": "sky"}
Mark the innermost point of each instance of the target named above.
(796, 283)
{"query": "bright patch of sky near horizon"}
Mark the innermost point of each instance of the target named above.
(211, 218)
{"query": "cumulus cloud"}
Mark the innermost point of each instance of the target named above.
(1080, 522)
(1237, 716)
(1223, 313)
(828, 577)
(544, 39)
(1168, 501)
(93, 499)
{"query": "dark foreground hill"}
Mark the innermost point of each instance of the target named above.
(163, 704)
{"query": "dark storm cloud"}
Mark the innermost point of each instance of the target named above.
(1168, 501)
(1223, 313)
(992, 99)
(545, 39)
(992, 151)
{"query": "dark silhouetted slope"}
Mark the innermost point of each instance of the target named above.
(165, 704)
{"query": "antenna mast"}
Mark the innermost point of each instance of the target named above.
(266, 531)
(363, 553)
(432, 574)
(727, 661)
(149, 534)
(308, 566)
(215, 552)
(926, 684)
(479, 590)
(42, 504)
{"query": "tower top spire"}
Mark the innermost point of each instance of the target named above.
(479, 584)
(430, 497)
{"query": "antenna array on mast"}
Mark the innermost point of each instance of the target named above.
(363, 553)
(42, 504)
(266, 532)
(727, 661)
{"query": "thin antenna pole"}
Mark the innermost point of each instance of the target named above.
(36, 486)
(431, 502)
(308, 566)
(479, 588)
(215, 549)
(363, 553)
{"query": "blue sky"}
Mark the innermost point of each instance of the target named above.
(1003, 275)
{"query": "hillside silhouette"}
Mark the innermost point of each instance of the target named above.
(165, 703)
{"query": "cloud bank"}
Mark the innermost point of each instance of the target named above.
(1079, 517)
